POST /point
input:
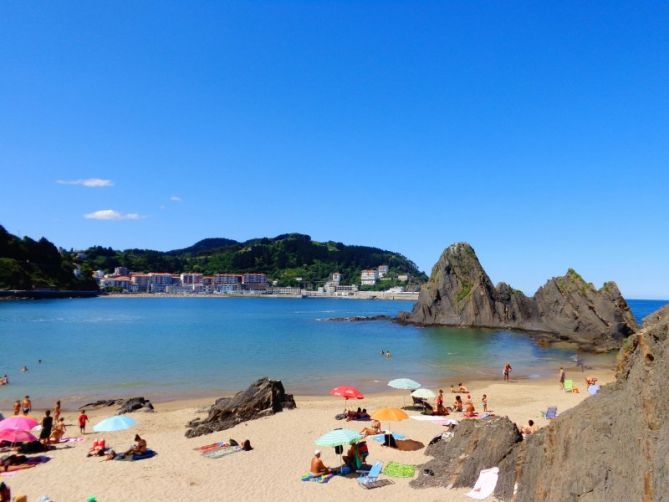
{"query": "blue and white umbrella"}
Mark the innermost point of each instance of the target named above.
(404, 383)
(339, 437)
(115, 423)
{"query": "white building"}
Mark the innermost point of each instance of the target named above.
(191, 279)
(369, 277)
(383, 271)
(335, 278)
(403, 277)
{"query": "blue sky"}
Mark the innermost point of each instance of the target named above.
(537, 133)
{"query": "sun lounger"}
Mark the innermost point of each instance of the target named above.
(371, 479)
(550, 413)
(569, 385)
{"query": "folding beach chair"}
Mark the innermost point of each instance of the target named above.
(569, 385)
(550, 413)
(371, 478)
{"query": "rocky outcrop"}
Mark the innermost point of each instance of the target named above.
(476, 445)
(126, 405)
(263, 398)
(614, 445)
(460, 293)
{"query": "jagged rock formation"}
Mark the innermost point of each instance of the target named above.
(476, 445)
(126, 405)
(612, 446)
(263, 398)
(460, 293)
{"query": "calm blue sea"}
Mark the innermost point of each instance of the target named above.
(185, 347)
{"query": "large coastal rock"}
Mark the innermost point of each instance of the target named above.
(460, 293)
(125, 405)
(263, 398)
(476, 445)
(614, 445)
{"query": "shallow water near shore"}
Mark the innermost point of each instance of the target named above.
(166, 348)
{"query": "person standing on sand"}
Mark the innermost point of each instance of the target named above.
(507, 371)
(17, 407)
(83, 418)
(484, 402)
(47, 424)
(562, 377)
(56, 411)
(27, 405)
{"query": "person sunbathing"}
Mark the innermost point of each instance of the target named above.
(138, 448)
(353, 415)
(458, 405)
(98, 447)
(318, 468)
(528, 429)
(58, 431)
(469, 409)
(462, 389)
(371, 431)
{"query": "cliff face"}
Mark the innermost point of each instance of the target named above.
(614, 445)
(460, 293)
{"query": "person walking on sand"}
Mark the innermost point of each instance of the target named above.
(83, 418)
(562, 377)
(507, 371)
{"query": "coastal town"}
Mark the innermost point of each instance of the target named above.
(124, 281)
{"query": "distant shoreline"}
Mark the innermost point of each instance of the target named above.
(361, 295)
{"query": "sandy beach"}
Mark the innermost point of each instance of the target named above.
(283, 446)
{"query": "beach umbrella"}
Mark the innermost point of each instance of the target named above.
(18, 422)
(115, 423)
(389, 415)
(424, 393)
(404, 384)
(339, 437)
(347, 392)
(16, 436)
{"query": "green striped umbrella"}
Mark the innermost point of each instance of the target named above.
(339, 437)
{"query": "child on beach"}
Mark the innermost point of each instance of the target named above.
(484, 402)
(17, 407)
(83, 418)
(27, 405)
(562, 377)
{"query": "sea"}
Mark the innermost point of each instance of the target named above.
(80, 350)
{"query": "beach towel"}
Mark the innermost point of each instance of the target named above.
(380, 438)
(317, 479)
(485, 485)
(72, 440)
(397, 470)
(222, 451)
(145, 455)
(568, 385)
(212, 446)
(550, 413)
(409, 445)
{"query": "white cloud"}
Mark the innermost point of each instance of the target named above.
(88, 182)
(175, 198)
(112, 215)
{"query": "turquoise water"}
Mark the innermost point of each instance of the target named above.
(181, 347)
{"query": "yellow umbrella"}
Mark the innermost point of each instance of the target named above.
(389, 415)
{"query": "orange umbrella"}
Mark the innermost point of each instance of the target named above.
(389, 415)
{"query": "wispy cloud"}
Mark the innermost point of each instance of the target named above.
(112, 215)
(175, 198)
(88, 182)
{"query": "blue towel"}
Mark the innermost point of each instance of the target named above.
(380, 438)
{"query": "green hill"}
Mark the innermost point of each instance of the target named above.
(27, 264)
(284, 258)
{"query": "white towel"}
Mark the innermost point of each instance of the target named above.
(485, 485)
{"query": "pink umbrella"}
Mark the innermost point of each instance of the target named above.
(18, 422)
(347, 392)
(16, 436)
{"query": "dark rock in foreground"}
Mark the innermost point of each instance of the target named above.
(613, 446)
(460, 293)
(476, 445)
(126, 405)
(263, 398)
